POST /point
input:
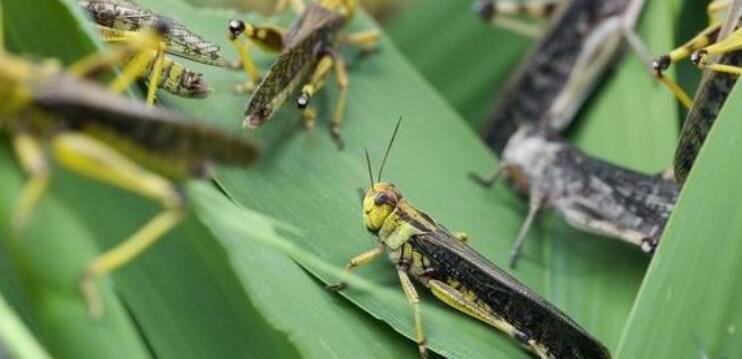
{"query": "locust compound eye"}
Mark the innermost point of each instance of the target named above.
(381, 198)
(236, 27)
(385, 198)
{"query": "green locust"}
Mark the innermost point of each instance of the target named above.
(148, 151)
(308, 51)
(462, 278)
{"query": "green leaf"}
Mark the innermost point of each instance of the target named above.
(48, 259)
(15, 338)
(689, 301)
(465, 59)
(46, 28)
(283, 290)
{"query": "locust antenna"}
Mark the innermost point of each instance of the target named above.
(388, 148)
(368, 165)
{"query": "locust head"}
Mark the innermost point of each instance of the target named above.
(381, 198)
(193, 85)
(256, 117)
(378, 203)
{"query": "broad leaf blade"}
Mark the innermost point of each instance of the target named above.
(288, 298)
(689, 301)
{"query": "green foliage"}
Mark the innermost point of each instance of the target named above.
(15, 338)
(226, 282)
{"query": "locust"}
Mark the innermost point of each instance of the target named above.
(50, 111)
(460, 277)
(582, 39)
(590, 194)
(308, 51)
(119, 20)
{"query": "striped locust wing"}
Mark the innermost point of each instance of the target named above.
(507, 298)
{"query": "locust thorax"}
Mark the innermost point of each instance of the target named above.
(379, 202)
(527, 155)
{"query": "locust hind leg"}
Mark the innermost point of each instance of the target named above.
(266, 37)
(315, 83)
(500, 13)
(94, 159)
(457, 300)
(32, 159)
(341, 76)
